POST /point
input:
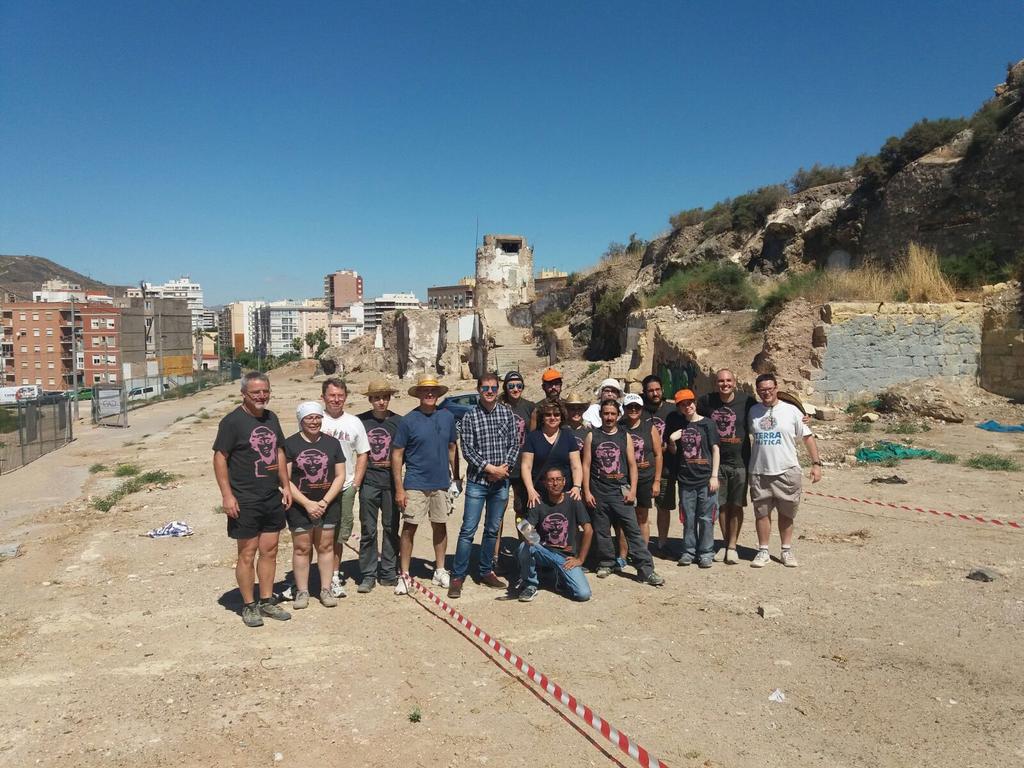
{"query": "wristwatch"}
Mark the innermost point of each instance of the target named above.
(815, 463)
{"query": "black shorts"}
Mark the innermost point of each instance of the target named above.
(299, 520)
(644, 498)
(256, 517)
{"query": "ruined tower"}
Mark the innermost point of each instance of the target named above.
(504, 273)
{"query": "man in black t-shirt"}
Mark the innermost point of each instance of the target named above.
(729, 409)
(251, 470)
(659, 410)
(557, 520)
(377, 493)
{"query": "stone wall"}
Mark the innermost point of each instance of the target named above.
(442, 342)
(862, 347)
(1002, 341)
(504, 273)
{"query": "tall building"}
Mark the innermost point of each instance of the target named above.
(238, 326)
(388, 302)
(504, 272)
(279, 323)
(182, 288)
(53, 344)
(156, 338)
(342, 289)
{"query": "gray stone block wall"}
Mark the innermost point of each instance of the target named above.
(868, 347)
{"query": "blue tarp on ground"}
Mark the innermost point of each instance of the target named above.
(994, 426)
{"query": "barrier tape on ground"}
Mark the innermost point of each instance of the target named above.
(570, 702)
(936, 512)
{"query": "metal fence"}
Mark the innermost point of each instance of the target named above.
(28, 430)
(145, 390)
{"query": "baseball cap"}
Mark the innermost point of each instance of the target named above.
(632, 399)
(683, 395)
(513, 376)
(308, 408)
(551, 374)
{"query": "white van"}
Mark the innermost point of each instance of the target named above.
(142, 393)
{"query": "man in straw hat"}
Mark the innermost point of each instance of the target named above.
(377, 493)
(425, 445)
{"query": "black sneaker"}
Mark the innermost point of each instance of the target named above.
(389, 581)
(251, 615)
(528, 594)
(366, 585)
(274, 611)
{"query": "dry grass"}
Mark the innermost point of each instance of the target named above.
(921, 277)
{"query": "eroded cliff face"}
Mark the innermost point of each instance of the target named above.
(956, 197)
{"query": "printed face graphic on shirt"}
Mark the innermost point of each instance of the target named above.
(638, 447)
(520, 428)
(579, 437)
(691, 442)
(380, 444)
(659, 424)
(609, 458)
(313, 465)
(767, 422)
(264, 442)
(725, 420)
(555, 529)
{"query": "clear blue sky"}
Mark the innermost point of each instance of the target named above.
(257, 146)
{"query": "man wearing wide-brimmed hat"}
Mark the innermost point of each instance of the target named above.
(377, 493)
(425, 446)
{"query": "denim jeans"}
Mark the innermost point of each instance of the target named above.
(697, 514)
(614, 510)
(478, 495)
(575, 579)
(374, 503)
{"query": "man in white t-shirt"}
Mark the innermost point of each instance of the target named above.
(608, 389)
(774, 473)
(351, 433)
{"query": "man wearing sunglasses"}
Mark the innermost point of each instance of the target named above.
(490, 444)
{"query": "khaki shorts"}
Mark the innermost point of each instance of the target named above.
(426, 505)
(781, 492)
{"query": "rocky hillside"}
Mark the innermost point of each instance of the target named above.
(21, 275)
(960, 195)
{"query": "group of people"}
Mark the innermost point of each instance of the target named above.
(582, 477)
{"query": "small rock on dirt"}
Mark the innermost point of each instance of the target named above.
(982, 574)
(769, 611)
(10, 550)
(870, 417)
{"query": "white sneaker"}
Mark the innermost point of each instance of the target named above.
(337, 587)
(288, 593)
(789, 559)
(720, 555)
(401, 588)
(761, 559)
(732, 557)
(441, 578)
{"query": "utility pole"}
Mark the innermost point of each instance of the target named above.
(160, 349)
(74, 353)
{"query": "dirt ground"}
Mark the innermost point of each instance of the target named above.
(119, 650)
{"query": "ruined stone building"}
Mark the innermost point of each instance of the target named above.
(504, 272)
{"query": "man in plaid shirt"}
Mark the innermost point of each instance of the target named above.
(490, 444)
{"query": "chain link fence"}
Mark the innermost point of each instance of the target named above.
(30, 429)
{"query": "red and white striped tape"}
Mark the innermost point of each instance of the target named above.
(591, 718)
(936, 512)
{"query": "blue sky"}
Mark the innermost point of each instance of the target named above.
(257, 146)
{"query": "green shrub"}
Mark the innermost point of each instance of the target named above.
(945, 458)
(687, 218)
(96, 468)
(981, 265)
(860, 426)
(707, 287)
(8, 420)
(860, 407)
(126, 470)
(749, 211)
(897, 152)
(907, 428)
(816, 176)
(133, 485)
(993, 462)
(553, 318)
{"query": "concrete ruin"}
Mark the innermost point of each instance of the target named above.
(504, 272)
(445, 343)
(1002, 341)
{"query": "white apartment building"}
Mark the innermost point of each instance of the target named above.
(238, 326)
(182, 288)
(388, 302)
(279, 323)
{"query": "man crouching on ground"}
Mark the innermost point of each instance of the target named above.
(250, 467)
(556, 519)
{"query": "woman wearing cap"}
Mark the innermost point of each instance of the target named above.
(610, 389)
(316, 470)
(552, 446)
(647, 451)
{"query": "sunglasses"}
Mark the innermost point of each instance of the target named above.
(514, 386)
(485, 388)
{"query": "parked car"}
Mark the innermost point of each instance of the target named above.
(459, 405)
(85, 393)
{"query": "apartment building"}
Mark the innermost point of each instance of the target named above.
(374, 309)
(342, 289)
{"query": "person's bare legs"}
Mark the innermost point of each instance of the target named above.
(301, 549)
(405, 547)
(663, 522)
(440, 533)
(266, 566)
(324, 543)
(244, 573)
(786, 530)
(732, 522)
(764, 529)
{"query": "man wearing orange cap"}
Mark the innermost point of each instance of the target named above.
(551, 383)
(695, 446)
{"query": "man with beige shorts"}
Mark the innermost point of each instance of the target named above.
(425, 445)
(774, 474)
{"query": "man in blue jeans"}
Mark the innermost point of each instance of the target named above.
(561, 546)
(490, 444)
